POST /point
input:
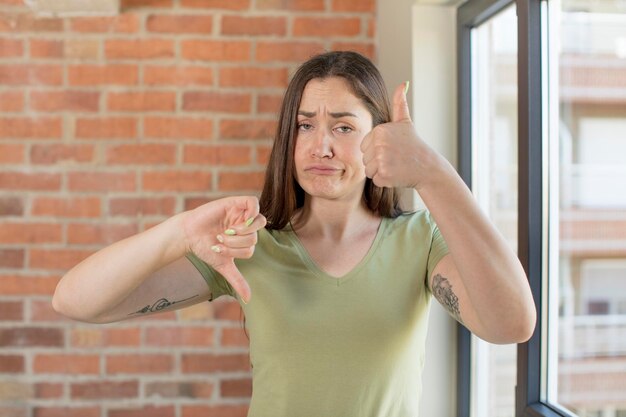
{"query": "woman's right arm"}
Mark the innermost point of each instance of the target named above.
(148, 272)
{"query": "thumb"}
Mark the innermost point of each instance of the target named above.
(233, 276)
(400, 111)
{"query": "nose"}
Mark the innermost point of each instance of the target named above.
(322, 146)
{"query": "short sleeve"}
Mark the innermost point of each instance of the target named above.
(438, 249)
(216, 282)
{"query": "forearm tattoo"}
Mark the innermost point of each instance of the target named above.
(442, 290)
(159, 305)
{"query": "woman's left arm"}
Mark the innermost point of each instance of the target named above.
(481, 281)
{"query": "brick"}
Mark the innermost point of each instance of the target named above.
(177, 128)
(123, 23)
(269, 103)
(96, 338)
(217, 4)
(254, 26)
(42, 311)
(296, 5)
(28, 22)
(101, 181)
(142, 101)
(48, 390)
(139, 364)
(216, 50)
(210, 362)
(236, 388)
(177, 76)
(31, 127)
(14, 411)
(135, 206)
(364, 48)
(227, 310)
(214, 411)
(106, 128)
(194, 202)
(59, 153)
(217, 155)
(287, 51)
(217, 102)
(241, 181)
(66, 364)
(253, 77)
(99, 234)
(23, 285)
(247, 129)
(41, 48)
(57, 259)
(33, 181)
(94, 75)
(234, 337)
(180, 24)
(31, 337)
(371, 27)
(11, 258)
(87, 207)
(31, 74)
(263, 155)
(136, 4)
(152, 411)
(12, 153)
(138, 48)
(15, 233)
(67, 100)
(52, 411)
(11, 310)
(326, 27)
(179, 336)
(104, 390)
(12, 364)
(82, 49)
(177, 181)
(145, 154)
(11, 48)
(11, 101)
(185, 389)
(353, 6)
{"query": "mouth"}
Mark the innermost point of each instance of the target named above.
(322, 170)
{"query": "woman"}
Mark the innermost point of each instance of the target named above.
(336, 286)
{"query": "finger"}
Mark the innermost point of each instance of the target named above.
(249, 226)
(238, 241)
(371, 169)
(400, 105)
(367, 141)
(236, 280)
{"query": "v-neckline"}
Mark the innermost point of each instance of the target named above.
(326, 277)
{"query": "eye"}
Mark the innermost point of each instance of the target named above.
(305, 126)
(344, 129)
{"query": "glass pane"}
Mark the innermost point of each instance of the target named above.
(587, 372)
(494, 182)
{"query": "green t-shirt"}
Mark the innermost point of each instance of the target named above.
(347, 347)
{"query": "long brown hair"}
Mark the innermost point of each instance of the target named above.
(282, 195)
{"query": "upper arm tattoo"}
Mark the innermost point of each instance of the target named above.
(442, 290)
(160, 304)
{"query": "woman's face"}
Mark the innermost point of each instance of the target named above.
(332, 122)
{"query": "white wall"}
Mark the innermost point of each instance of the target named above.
(417, 42)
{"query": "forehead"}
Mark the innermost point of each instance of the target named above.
(334, 93)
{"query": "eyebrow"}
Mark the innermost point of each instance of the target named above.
(335, 115)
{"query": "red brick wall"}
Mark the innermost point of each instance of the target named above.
(108, 126)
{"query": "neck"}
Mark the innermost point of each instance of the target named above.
(333, 219)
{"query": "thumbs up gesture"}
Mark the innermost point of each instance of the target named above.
(393, 154)
(222, 230)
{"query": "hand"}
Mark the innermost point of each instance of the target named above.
(393, 154)
(222, 230)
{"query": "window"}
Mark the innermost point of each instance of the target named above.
(568, 153)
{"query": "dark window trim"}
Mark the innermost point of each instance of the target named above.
(530, 214)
